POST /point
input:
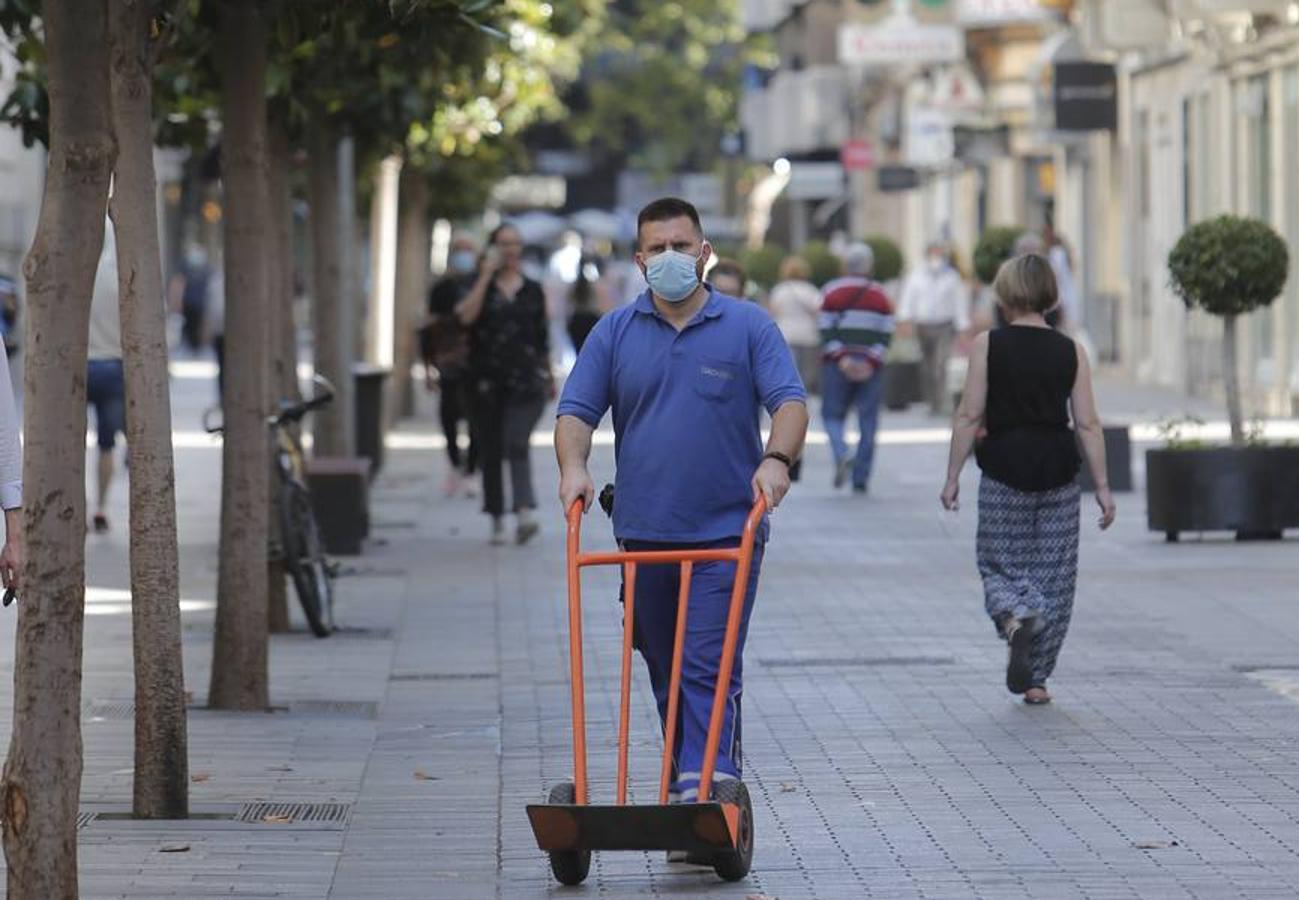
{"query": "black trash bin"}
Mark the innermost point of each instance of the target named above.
(369, 380)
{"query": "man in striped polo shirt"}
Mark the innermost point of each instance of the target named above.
(856, 327)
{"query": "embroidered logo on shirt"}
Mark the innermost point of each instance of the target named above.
(712, 372)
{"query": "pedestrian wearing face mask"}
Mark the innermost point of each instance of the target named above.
(444, 347)
(936, 306)
(510, 367)
(685, 371)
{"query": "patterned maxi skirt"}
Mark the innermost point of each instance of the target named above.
(1028, 558)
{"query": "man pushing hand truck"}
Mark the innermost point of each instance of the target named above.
(685, 371)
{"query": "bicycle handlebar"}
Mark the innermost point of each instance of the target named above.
(289, 412)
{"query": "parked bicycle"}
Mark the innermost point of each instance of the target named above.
(301, 549)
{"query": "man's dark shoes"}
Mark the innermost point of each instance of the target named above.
(1019, 673)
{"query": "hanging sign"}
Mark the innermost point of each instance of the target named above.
(899, 40)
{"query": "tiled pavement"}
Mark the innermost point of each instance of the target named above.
(884, 756)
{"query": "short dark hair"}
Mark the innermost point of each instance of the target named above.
(666, 208)
(499, 229)
(726, 266)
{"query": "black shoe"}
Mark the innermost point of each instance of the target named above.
(1019, 673)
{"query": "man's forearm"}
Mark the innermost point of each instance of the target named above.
(13, 523)
(789, 429)
(572, 442)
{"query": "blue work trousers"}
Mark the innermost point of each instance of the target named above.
(839, 395)
(655, 619)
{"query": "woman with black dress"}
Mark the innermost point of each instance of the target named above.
(510, 365)
(1023, 381)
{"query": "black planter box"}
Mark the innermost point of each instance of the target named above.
(1118, 461)
(340, 498)
(1253, 491)
(901, 384)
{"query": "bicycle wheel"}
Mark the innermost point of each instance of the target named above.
(304, 558)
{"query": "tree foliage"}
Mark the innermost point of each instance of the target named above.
(889, 262)
(662, 84)
(995, 246)
(822, 261)
(1229, 266)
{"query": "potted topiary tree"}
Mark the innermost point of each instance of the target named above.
(822, 261)
(1228, 267)
(995, 246)
(888, 258)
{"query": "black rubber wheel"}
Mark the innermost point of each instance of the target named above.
(733, 865)
(304, 558)
(570, 866)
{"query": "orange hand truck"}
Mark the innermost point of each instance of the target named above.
(568, 827)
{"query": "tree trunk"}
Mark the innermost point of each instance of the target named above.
(332, 427)
(161, 755)
(239, 677)
(1231, 380)
(413, 236)
(42, 776)
(283, 380)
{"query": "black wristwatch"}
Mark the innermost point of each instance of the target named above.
(780, 457)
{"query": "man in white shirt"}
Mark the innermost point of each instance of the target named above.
(936, 306)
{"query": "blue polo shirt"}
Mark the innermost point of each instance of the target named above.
(685, 413)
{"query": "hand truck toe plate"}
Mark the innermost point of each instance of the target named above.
(701, 828)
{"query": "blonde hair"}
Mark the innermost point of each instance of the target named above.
(795, 268)
(1026, 284)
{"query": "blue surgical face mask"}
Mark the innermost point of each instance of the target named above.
(672, 275)
(463, 261)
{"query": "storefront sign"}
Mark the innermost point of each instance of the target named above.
(1086, 96)
(987, 13)
(857, 156)
(899, 40)
(814, 181)
(929, 137)
(898, 178)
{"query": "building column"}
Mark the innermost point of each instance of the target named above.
(383, 264)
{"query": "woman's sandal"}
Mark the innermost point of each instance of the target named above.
(1019, 635)
(1037, 696)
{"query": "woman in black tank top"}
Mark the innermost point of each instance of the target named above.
(1024, 381)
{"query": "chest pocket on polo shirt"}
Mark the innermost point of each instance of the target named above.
(715, 378)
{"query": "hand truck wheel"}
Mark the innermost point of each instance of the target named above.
(569, 866)
(733, 865)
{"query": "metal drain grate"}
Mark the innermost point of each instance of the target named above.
(294, 813)
(115, 710)
(361, 709)
(84, 819)
(359, 633)
(442, 676)
(844, 662)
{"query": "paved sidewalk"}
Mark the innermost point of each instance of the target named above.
(884, 755)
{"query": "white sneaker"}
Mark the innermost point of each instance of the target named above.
(528, 527)
(498, 532)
